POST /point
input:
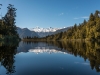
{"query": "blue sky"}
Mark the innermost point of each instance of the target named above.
(50, 13)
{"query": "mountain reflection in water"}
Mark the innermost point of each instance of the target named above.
(86, 50)
(47, 50)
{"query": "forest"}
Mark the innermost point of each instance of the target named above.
(88, 30)
(8, 29)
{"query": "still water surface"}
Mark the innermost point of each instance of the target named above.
(50, 58)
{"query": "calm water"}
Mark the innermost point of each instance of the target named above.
(50, 58)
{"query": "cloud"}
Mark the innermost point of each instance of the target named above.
(85, 17)
(85, 63)
(76, 62)
(99, 15)
(76, 18)
(81, 63)
(61, 14)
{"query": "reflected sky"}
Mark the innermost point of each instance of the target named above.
(41, 58)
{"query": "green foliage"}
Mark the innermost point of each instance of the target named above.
(8, 29)
(88, 30)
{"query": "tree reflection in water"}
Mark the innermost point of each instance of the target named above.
(7, 52)
(87, 50)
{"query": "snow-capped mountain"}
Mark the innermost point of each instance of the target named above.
(42, 32)
(39, 32)
(50, 29)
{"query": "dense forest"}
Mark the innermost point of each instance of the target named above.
(88, 30)
(8, 29)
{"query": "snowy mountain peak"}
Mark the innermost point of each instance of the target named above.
(50, 29)
(39, 32)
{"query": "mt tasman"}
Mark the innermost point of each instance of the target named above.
(39, 32)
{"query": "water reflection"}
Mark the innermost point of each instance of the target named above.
(39, 47)
(38, 50)
(59, 63)
(7, 52)
(87, 50)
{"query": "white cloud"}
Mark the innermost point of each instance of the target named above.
(81, 63)
(76, 62)
(61, 14)
(85, 63)
(76, 18)
(85, 17)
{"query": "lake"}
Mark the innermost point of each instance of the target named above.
(50, 58)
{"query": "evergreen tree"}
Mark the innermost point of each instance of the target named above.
(91, 17)
(96, 15)
(9, 20)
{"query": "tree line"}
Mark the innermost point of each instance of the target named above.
(88, 30)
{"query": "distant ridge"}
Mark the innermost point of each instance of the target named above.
(24, 32)
(39, 32)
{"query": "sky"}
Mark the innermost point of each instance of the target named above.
(50, 13)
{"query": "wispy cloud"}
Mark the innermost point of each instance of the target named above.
(84, 17)
(76, 62)
(81, 63)
(76, 18)
(85, 63)
(61, 14)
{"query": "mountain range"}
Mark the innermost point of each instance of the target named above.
(39, 32)
(43, 32)
(24, 32)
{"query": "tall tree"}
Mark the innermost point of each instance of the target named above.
(97, 14)
(9, 20)
(91, 18)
